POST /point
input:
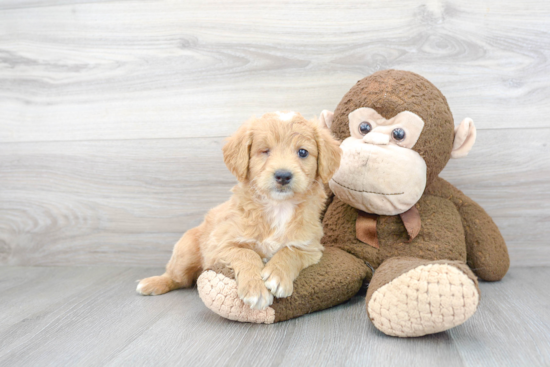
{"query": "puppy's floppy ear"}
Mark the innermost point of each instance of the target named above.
(236, 152)
(328, 159)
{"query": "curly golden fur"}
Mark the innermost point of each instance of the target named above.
(265, 221)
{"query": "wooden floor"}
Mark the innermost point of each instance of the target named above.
(92, 316)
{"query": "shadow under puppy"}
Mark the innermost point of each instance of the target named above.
(281, 161)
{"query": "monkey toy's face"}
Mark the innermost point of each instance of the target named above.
(397, 135)
(379, 172)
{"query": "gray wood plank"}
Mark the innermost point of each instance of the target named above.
(91, 316)
(513, 325)
(84, 325)
(127, 202)
(107, 202)
(21, 4)
(505, 172)
(165, 69)
(14, 277)
(45, 294)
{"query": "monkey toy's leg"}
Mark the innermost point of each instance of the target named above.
(335, 279)
(410, 297)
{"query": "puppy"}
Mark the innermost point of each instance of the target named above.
(273, 217)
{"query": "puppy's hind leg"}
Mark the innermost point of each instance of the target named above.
(182, 270)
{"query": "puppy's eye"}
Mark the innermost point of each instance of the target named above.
(365, 127)
(265, 151)
(398, 134)
(303, 153)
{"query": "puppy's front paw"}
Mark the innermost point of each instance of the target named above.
(254, 293)
(277, 281)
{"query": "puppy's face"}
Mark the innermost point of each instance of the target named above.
(283, 157)
(282, 154)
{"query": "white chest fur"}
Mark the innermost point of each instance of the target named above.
(278, 214)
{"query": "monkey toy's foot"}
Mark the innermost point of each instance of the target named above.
(410, 297)
(335, 279)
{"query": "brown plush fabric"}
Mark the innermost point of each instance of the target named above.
(453, 225)
(441, 235)
(396, 266)
(335, 279)
(222, 269)
(330, 197)
(390, 92)
(487, 251)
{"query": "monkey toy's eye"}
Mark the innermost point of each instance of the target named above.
(303, 153)
(365, 128)
(398, 134)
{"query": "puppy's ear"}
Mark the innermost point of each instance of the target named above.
(236, 152)
(328, 159)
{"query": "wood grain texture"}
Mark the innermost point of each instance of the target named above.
(163, 69)
(112, 116)
(92, 316)
(127, 202)
(104, 202)
(25, 4)
(113, 112)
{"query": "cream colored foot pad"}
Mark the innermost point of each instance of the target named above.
(425, 300)
(219, 293)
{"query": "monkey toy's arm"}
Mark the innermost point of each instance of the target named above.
(487, 252)
(330, 197)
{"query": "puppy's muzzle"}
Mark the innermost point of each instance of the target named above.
(283, 177)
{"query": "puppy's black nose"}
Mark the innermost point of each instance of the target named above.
(283, 177)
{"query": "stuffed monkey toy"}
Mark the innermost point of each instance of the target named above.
(390, 220)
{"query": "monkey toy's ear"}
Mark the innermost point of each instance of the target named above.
(465, 137)
(326, 118)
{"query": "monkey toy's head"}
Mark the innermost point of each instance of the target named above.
(397, 134)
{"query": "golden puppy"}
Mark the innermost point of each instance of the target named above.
(273, 216)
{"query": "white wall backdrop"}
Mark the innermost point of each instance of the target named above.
(113, 112)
